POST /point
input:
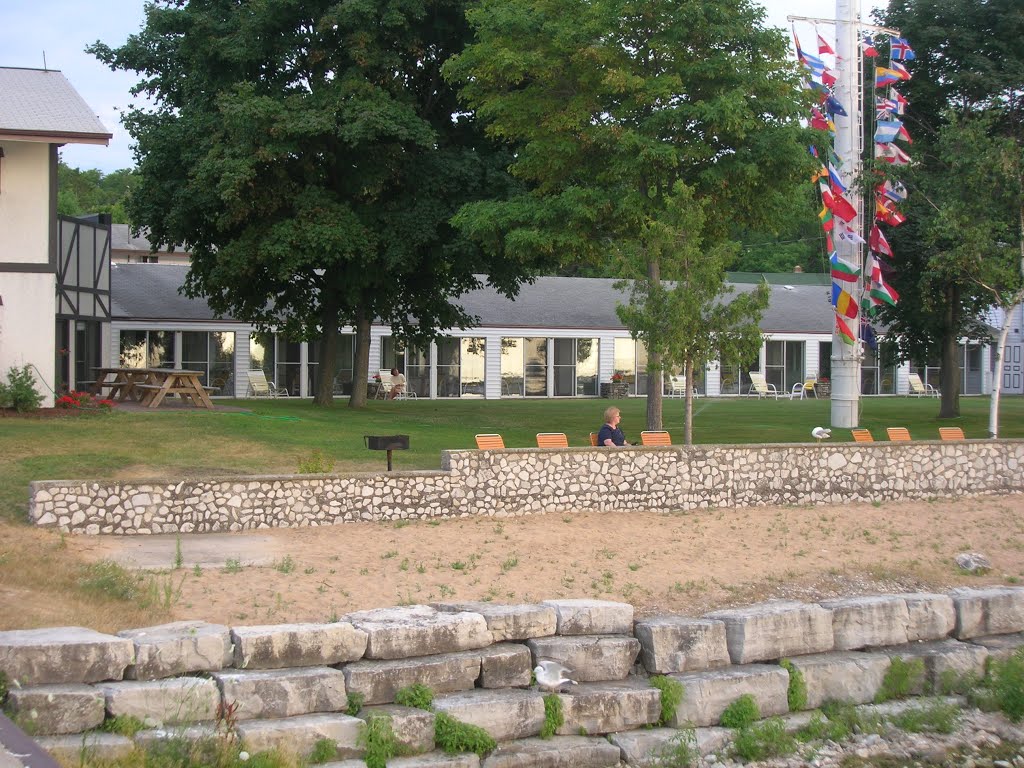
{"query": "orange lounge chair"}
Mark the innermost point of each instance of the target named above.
(593, 439)
(862, 436)
(898, 434)
(951, 433)
(490, 442)
(655, 438)
(552, 440)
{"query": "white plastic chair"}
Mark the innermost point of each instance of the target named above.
(761, 387)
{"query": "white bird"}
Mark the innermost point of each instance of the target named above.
(821, 433)
(551, 675)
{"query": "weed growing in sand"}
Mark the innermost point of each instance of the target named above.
(389, 554)
(179, 557)
(285, 565)
(509, 564)
(672, 692)
(935, 717)
(634, 566)
(404, 565)
(197, 570)
(401, 523)
(232, 565)
(445, 590)
(901, 679)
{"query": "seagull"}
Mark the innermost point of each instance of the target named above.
(551, 675)
(821, 433)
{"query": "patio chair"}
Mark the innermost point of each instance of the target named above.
(951, 433)
(260, 387)
(898, 434)
(655, 438)
(804, 390)
(593, 439)
(919, 388)
(677, 387)
(490, 442)
(760, 386)
(552, 440)
(383, 379)
(862, 436)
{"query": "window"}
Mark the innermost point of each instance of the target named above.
(971, 377)
(784, 364)
(146, 349)
(735, 377)
(344, 363)
(214, 354)
(575, 367)
(149, 258)
(535, 367)
(512, 367)
(631, 362)
(824, 360)
(461, 367)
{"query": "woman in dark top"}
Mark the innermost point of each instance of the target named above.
(610, 434)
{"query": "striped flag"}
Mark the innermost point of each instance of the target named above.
(878, 243)
(843, 270)
(844, 303)
(844, 331)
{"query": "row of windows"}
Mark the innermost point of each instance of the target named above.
(530, 366)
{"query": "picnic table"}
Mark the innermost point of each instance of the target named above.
(149, 386)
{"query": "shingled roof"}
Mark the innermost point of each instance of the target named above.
(149, 292)
(41, 105)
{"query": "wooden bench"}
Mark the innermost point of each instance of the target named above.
(552, 440)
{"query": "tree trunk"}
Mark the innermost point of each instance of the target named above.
(655, 385)
(361, 363)
(329, 321)
(688, 418)
(949, 370)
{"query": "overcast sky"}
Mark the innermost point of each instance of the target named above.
(63, 28)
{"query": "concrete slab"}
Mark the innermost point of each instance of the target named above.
(207, 550)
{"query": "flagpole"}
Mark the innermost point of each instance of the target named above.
(845, 356)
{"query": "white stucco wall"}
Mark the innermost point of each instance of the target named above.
(27, 327)
(25, 203)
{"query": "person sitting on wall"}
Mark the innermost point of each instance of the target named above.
(610, 435)
(397, 384)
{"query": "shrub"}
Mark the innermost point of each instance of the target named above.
(416, 695)
(355, 703)
(453, 736)
(764, 740)
(741, 713)
(553, 718)
(679, 752)
(1007, 683)
(105, 578)
(377, 737)
(901, 680)
(796, 695)
(672, 692)
(20, 392)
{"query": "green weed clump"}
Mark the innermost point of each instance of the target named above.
(935, 717)
(377, 737)
(846, 716)
(453, 736)
(315, 463)
(765, 740)
(672, 692)
(796, 694)
(323, 750)
(903, 679)
(679, 752)
(1003, 687)
(741, 713)
(355, 704)
(821, 728)
(107, 579)
(123, 725)
(4, 688)
(553, 717)
(416, 695)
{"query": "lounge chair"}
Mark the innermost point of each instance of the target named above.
(759, 386)
(951, 433)
(659, 437)
(804, 390)
(593, 439)
(862, 436)
(552, 440)
(490, 442)
(260, 387)
(919, 388)
(898, 434)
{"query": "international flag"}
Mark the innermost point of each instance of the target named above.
(842, 270)
(881, 291)
(828, 78)
(844, 303)
(867, 334)
(878, 243)
(846, 235)
(823, 46)
(821, 123)
(893, 190)
(900, 70)
(842, 208)
(899, 48)
(835, 180)
(827, 221)
(885, 108)
(904, 134)
(833, 107)
(886, 76)
(884, 211)
(891, 153)
(845, 334)
(813, 150)
(887, 130)
(901, 102)
(869, 46)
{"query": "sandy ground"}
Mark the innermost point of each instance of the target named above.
(680, 563)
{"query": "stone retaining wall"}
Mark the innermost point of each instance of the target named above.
(288, 686)
(528, 481)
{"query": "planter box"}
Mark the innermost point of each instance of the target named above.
(823, 389)
(615, 390)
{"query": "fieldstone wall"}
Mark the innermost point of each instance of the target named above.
(521, 481)
(289, 686)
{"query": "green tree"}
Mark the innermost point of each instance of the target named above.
(81, 192)
(610, 103)
(310, 157)
(969, 65)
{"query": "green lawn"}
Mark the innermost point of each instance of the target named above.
(278, 434)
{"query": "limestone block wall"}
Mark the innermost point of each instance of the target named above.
(290, 686)
(529, 481)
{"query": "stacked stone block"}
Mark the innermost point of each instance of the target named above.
(290, 686)
(517, 482)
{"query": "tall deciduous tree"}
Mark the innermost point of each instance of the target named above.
(969, 66)
(611, 103)
(310, 157)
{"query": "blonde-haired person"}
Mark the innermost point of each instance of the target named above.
(610, 435)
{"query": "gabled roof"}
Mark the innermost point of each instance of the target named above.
(41, 105)
(122, 239)
(147, 292)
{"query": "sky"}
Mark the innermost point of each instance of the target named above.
(63, 28)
